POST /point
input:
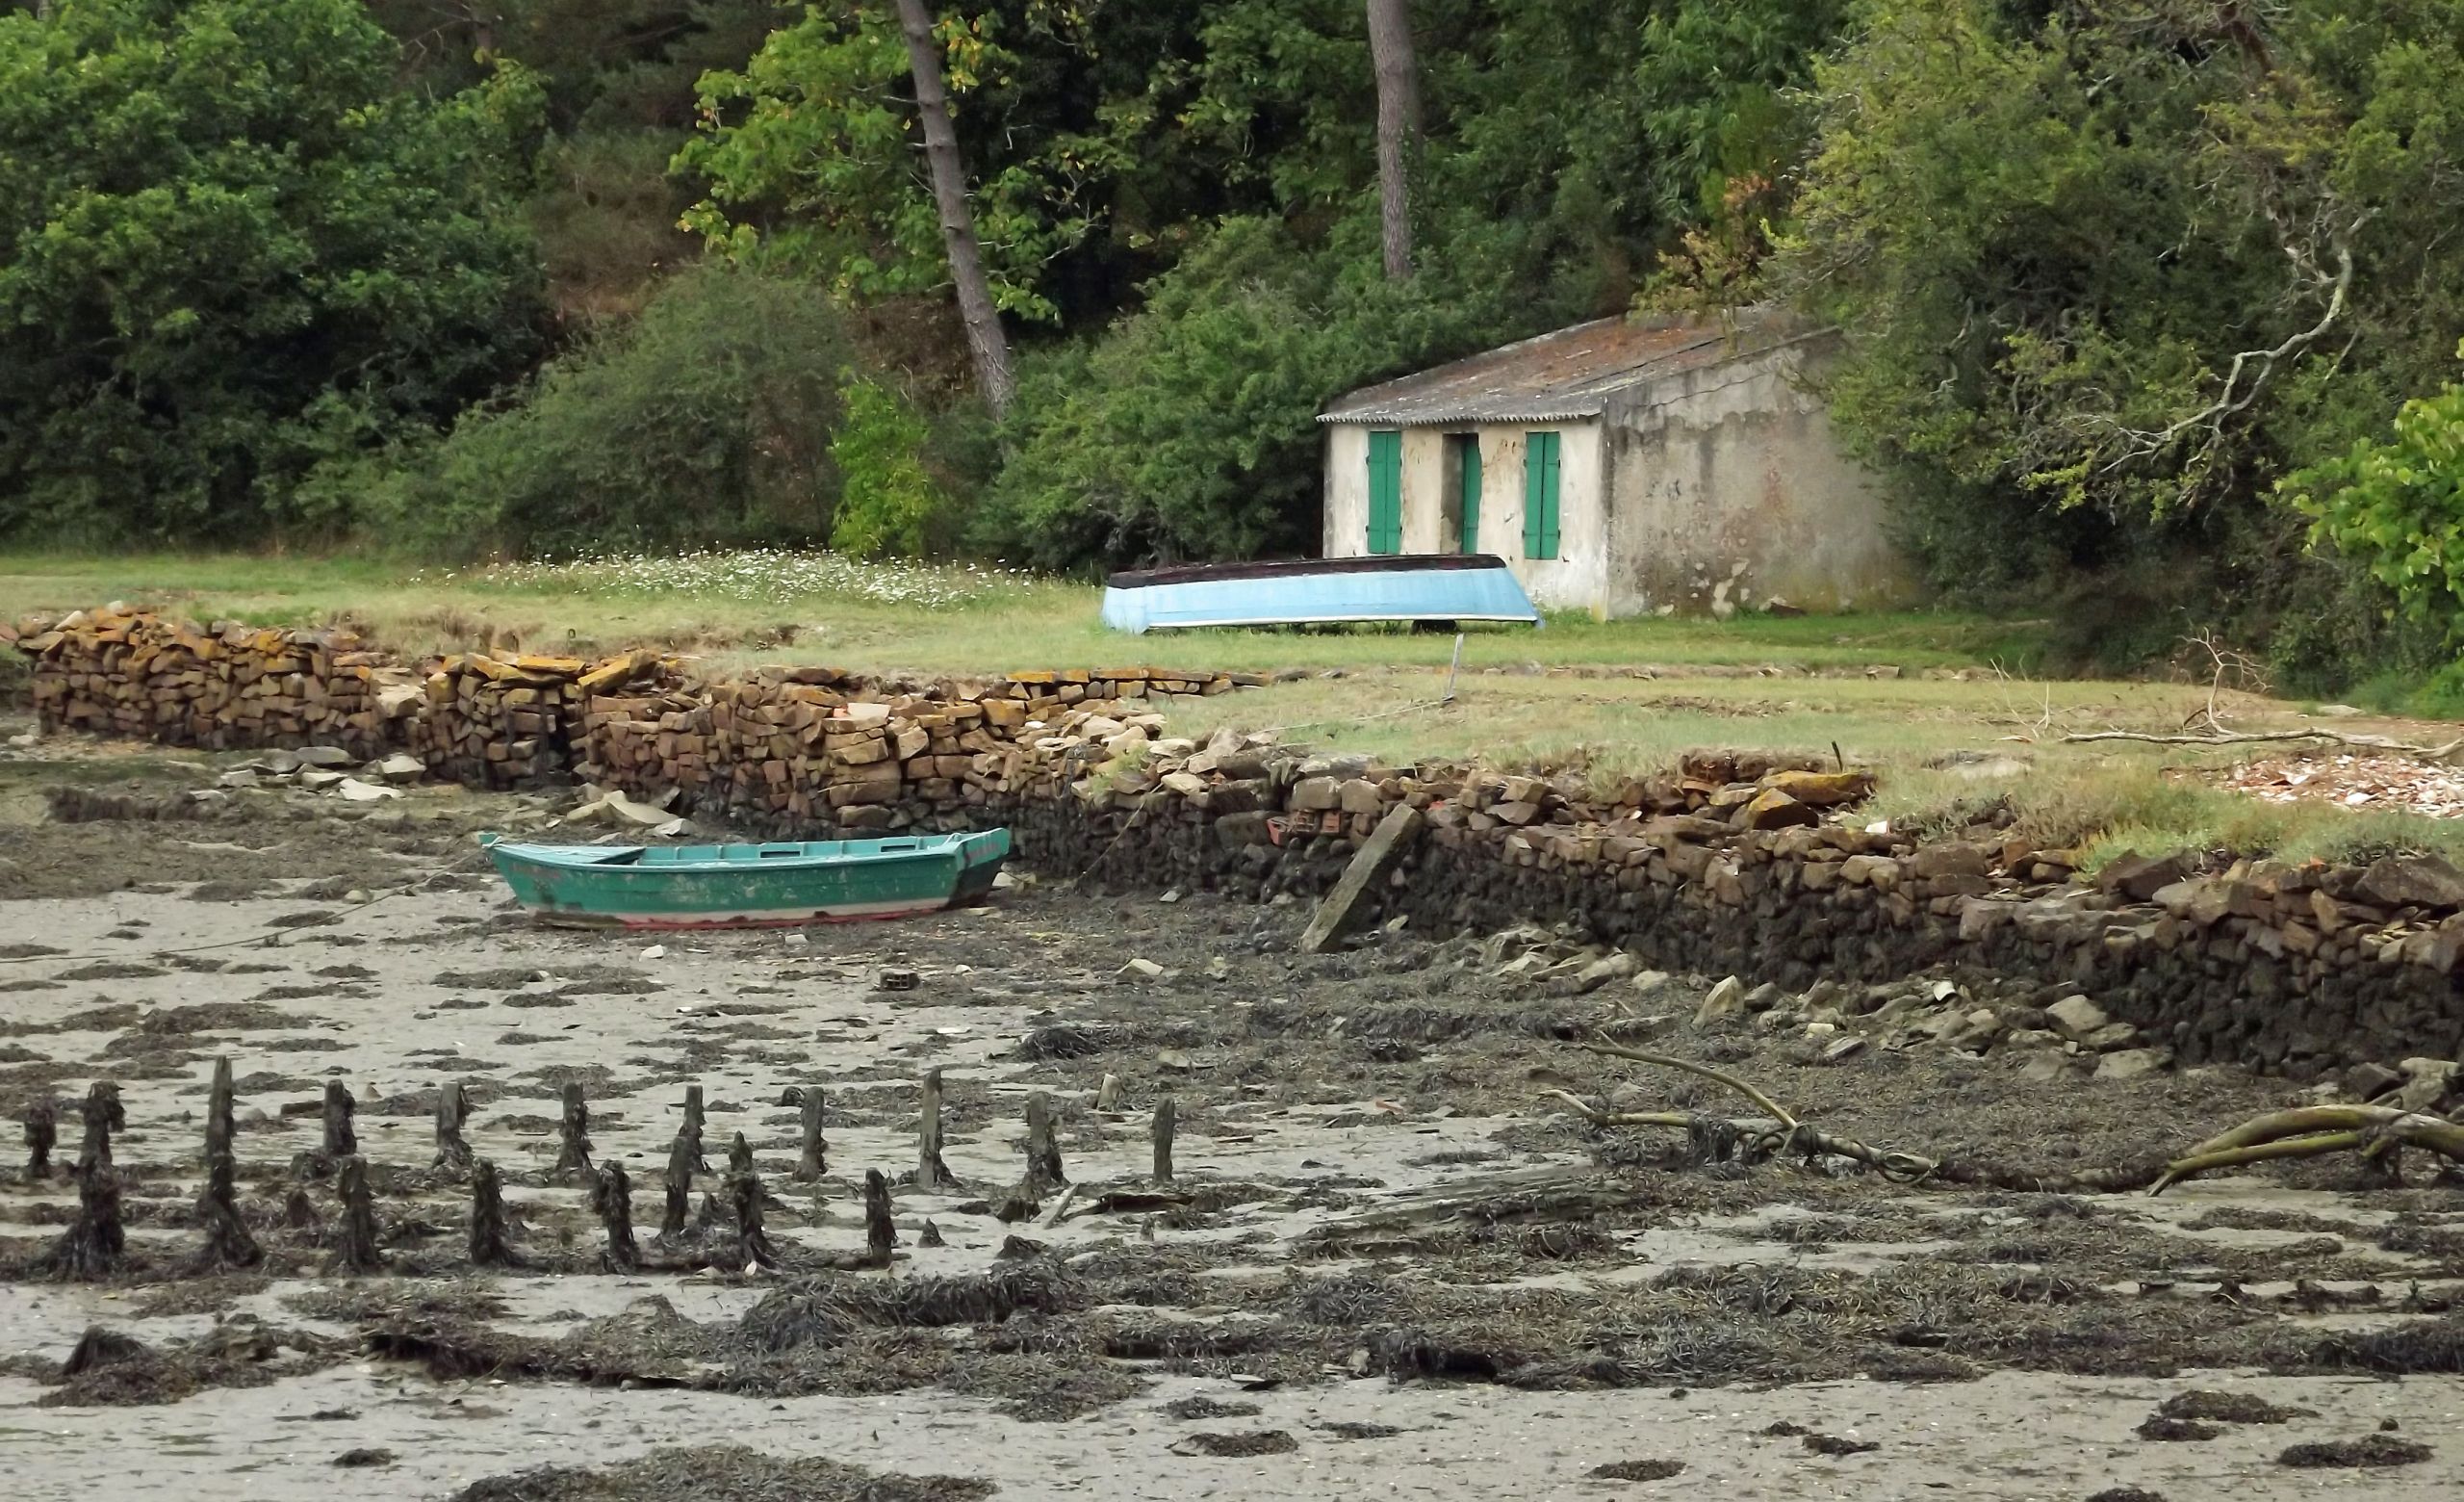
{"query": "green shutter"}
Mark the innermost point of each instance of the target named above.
(1540, 495)
(1386, 492)
(1472, 494)
(1548, 502)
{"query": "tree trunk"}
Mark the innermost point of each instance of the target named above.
(1399, 126)
(985, 341)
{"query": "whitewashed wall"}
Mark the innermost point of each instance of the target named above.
(1574, 579)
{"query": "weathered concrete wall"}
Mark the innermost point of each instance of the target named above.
(1576, 577)
(1428, 525)
(1727, 489)
(1347, 488)
(1572, 581)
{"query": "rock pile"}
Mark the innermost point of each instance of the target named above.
(118, 672)
(499, 722)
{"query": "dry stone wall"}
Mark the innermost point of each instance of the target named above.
(1748, 864)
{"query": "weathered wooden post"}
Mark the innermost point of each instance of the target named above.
(228, 1242)
(572, 1153)
(1043, 1150)
(1108, 1093)
(813, 1162)
(931, 1173)
(739, 1155)
(612, 1196)
(355, 1248)
(96, 1241)
(339, 1140)
(880, 1235)
(103, 1116)
(680, 1188)
(691, 1133)
(299, 1212)
(744, 1196)
(221, 1124)
(42, 1135)
(1164, 1140)
(453, 1151)
(491, 1238)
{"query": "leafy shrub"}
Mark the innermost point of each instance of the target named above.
(886, 501)
(706, 421)
(2397, 507)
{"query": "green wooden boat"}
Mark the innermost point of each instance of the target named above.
(749, 886)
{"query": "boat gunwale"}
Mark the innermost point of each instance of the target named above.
(969, 849)
(1305, 568)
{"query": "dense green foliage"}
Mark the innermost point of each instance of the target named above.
(2107, 272)
(888, 502)
(2131, 290)
(707, 419)
(2397, 506)
(230, 247)
(1187, 192)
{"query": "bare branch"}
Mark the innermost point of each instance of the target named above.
(2438, 753)
(2236, 399)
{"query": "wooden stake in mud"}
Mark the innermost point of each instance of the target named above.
(42, 1135)
(341, 1140)
(611, 1197)
(228, 1242)
(680, 1188)
(573, 1155)
(103, 1116)
(491, 1236)
(931, 1173)
(1044, 1150)
(739, 1155)
(1164, 1140)
(814, 1161)
(1108, 1093)
(880, 1235)
(744, 1196)
(355, 1248)
(96, 1241)
(691, 1133)
(452, 1152)
(299, 1212)
(221, 1124)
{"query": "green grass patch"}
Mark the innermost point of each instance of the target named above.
(773, 607)
(1959, 731)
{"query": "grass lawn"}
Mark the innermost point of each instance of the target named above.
(905, 618)
(1960, 725)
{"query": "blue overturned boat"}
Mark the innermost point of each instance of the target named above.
(1431, 587)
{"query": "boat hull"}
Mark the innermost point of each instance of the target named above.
(747, 886)
(1329, 591)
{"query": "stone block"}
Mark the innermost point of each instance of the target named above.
(1316, 795)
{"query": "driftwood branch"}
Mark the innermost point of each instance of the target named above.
(2309, 1131)
(1770, 1107)
(2375, 1131)
(2442, 752)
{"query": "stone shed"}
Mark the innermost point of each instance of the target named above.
(1622, 467)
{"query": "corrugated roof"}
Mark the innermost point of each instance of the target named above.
(1554, 377)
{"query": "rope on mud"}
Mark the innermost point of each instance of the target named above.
(258, 936)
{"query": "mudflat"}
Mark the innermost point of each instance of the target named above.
(1389, 1261)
